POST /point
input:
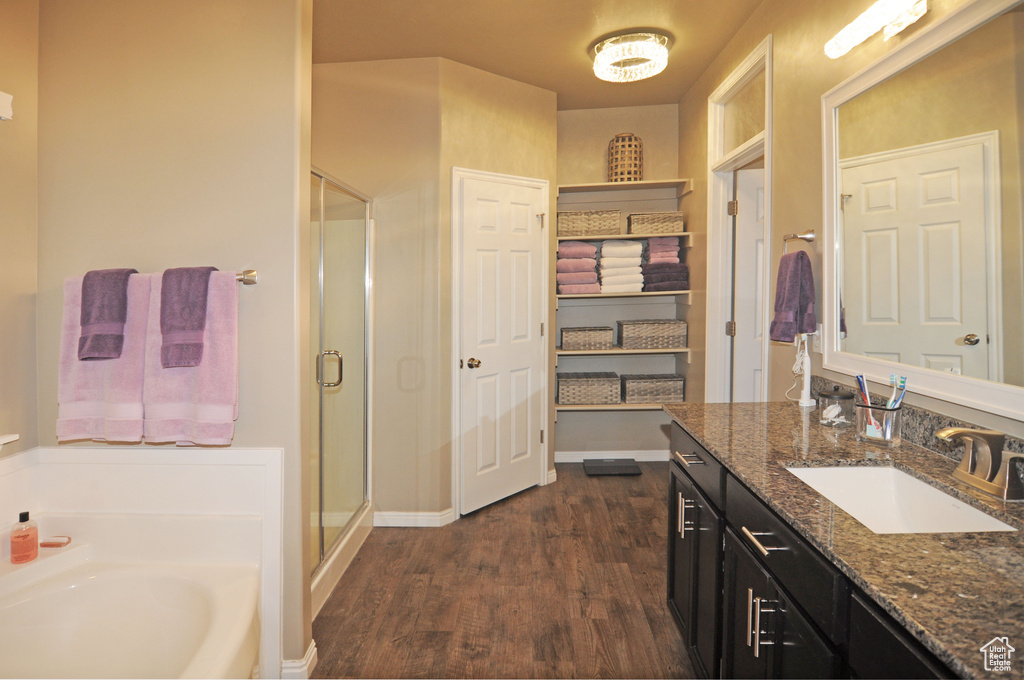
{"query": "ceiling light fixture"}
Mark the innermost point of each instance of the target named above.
(632, 56)
(888, 16)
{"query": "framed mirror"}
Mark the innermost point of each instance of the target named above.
(923, 266)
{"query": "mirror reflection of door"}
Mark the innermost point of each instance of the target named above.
(915, 233)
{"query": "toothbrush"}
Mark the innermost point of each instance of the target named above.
(892, 383)
(903, 391)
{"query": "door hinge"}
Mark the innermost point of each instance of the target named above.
(542, 436)
(540, 216)
(460, 363)
(730, 328)
(733, 207)
(542, 329)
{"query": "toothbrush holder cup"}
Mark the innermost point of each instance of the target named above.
(878, 424)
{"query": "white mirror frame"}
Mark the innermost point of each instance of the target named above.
(998, 398)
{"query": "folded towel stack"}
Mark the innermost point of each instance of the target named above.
(619, 266)
(665, 276)
(576, 268)
(662, 249)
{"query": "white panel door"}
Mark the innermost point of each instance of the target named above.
(748, 287)
(503, 359)
(914, 227)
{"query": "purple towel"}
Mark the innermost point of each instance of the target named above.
(580, 289)
(582, 264)
(104, 310)
(183, 294)
(668, 285)
(576, 249)
(794, 298)
(665, 268)
(576, 278)
(666, 277)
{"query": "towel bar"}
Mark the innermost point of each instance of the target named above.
(807, 236)
(248, 276)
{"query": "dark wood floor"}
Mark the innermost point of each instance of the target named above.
(561, 581)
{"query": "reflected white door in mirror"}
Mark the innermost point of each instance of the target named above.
(924, 225)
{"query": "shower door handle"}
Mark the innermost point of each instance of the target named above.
(320, 368)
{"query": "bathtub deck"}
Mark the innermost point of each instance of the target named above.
(565, 580)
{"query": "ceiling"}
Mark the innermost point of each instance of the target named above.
(541, 42)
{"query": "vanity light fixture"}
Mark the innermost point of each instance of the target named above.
(888, 16)
(631, 56)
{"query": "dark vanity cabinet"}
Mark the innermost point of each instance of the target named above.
(756, 600)
(764, 634)
(695, 551)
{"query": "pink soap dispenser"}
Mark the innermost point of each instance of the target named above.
(24, 540)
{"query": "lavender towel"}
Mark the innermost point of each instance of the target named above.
(579, 289)
(794, 298)
(183, 293)
(575, 278)
(665, 267)
(657, 241)
(576, 249)
(104, 310)
(582, 264)
(669, 285)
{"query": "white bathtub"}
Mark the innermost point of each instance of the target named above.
(79, 618)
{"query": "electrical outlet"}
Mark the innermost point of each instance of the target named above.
(816, 342)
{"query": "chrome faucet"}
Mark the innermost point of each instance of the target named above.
(985, 465)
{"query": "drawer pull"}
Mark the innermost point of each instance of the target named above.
(757, 625)
(750, 614)
(689, 459)
(752, 537)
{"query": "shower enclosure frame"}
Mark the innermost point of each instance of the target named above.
(335, 555)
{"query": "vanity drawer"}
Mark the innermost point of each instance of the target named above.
(700, 465)
(815, 584)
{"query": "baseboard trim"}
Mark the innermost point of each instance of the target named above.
(300, 669)
(552, 476)
(413, 519)
(639, 456)
(337, 562)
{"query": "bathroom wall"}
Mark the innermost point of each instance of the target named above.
(393, 130)
(19, 43)
(175, 134)
(801, 74)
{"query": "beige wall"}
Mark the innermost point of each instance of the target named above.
(584, 134)
(393, 130)
(174, 134)
(801, 74)
(19, 39)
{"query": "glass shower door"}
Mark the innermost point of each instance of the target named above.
(340, 227)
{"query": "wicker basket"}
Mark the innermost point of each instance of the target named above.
(596, 337)
(588, 388)
(652, 334)
(653, 389)
(656, 223)
(588, 223)
(625, 158)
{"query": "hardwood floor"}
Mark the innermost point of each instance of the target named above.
(561, 581)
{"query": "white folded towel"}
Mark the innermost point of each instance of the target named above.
(624, 288)
(622, 249)
(623, 279)
(621, 271)
(609, 262)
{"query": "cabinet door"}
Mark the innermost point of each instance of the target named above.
(681, 552)
(746, 586)
(799, 651)
(707, 587)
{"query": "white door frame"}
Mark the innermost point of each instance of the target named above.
(721, 165)
(458, 175)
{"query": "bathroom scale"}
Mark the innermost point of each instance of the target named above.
(614, 466)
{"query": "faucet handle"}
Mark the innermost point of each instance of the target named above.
(1008, 478)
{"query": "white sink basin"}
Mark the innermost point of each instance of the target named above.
(889, 501)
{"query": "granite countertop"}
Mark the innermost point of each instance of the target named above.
(954, 592)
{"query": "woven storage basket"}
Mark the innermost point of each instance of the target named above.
(596, 337)
(588, 223)
(653, 389)
(625, 158)
(657, 223)
(652, 334)
(588, 388)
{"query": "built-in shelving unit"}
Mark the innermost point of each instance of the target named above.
(605, 309)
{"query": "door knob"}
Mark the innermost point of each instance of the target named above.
(971, 339)
(473, 363)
